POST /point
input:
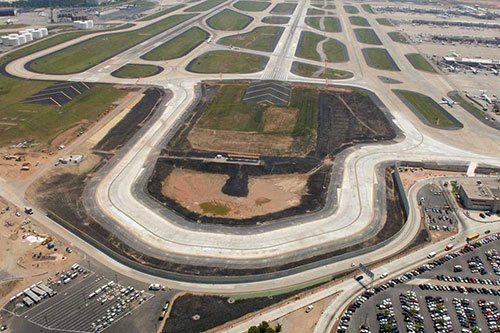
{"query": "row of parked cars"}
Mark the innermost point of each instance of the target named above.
(471, 280)
(439, 314)
(466, 315)
(494, 260)
(491, 313)
(386, 317)
(476, 265)
(461, 289)
(360, 300)
(411, 312)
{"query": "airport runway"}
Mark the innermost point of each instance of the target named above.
(116, 199)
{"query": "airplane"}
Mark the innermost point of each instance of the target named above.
(485, 97)
(494, 71)
(446, 100)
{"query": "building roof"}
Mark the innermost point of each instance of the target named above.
(480, 192)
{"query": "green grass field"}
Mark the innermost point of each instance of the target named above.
(380, 59)
(384, 21)
(314, 11)
(335, 51)
(12, 26)
(307, 47)
(135, 71)
(468, 105)
(275, 20)
(398, 37)
(251, 6)
(161, 13)
(313, 71)
(227, 111)
(419, 62)
(40, 124)
(204, 6)
(229, 20)
(227, 62)
(351, 9)
(367, 36)
(359, 21)
(367, 8)
(82, 56)
(284, 8)
(424, 105)
(332, 24)
(214, 208)
(178, 46)
(260, 39)
(306, 100)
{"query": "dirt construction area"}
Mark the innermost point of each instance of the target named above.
(201, 193)
(273, 161)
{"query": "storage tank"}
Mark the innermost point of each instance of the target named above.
(14, 41)
(28, 36)
(37, 34)
(90, 24)
(44, 31)
(22, 39)
(13, 35)
(5, 40)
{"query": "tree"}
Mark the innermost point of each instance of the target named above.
(263, 327)
(269, 330)
(253, 329)
(278, 328)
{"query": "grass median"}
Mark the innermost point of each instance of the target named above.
(260, 39)
(380, 59)
(229, 20)
(204, 6)
(398, 37)
(367, 36)
(136, 71)
(384, 21)
(313, 71)
(427, 108)
(84, 55)
(275, 20)
(351, 9)
(419, 62)
(215, 62)
(252, 6)
(359, 21)
(284, 8)
(332, 24)
(178, 46)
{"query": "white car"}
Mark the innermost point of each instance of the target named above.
(383, 275)
(309, 308)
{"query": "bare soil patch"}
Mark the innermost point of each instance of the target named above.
(267, 194)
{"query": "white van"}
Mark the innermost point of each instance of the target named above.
(431, 254)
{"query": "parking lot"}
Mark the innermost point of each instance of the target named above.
(85, 303)
(438, 214)
(437, 296)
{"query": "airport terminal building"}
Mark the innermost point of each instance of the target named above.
(478, 196)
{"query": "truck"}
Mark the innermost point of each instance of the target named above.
(472, 237)
(431, 255)
(27, 301)
(45, 288)
(32, 295)
(154, 286)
